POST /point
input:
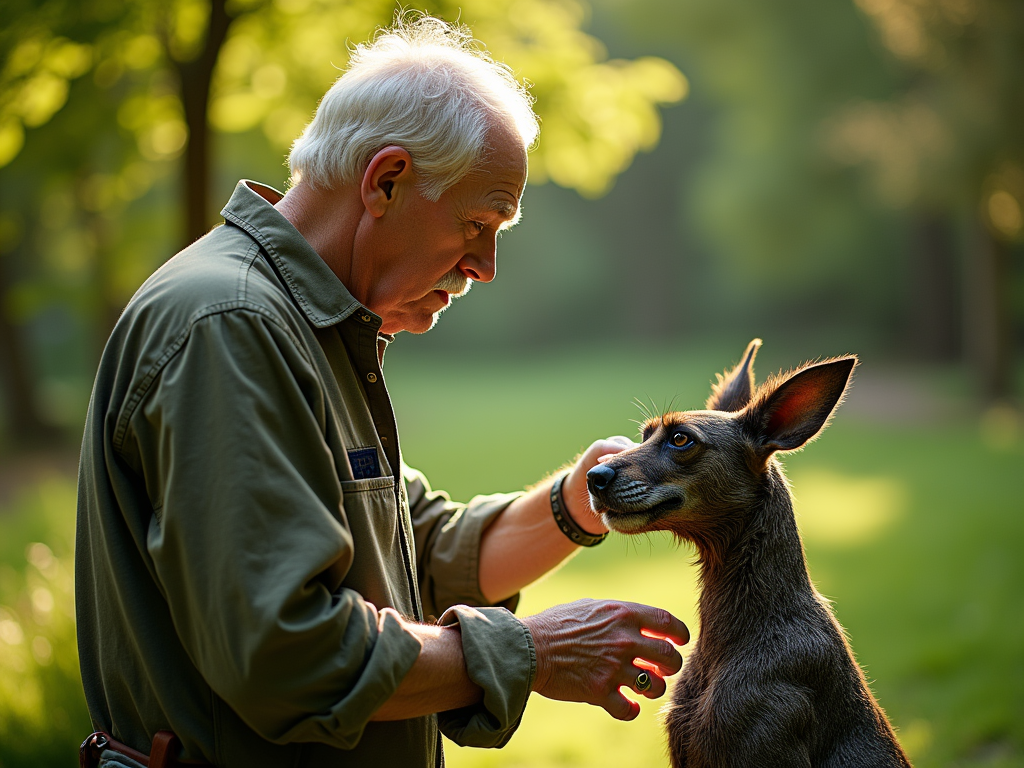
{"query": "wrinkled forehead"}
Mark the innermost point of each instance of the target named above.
(497, 181)
(504, 154)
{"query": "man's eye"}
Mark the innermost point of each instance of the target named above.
(682, 440)
(477, 226)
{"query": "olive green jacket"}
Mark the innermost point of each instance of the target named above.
(244, 514)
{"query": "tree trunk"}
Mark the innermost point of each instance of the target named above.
(988, 323)
(25, 422)
(108, 304)
(195, 77)
(934, 298)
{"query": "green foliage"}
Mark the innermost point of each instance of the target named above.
(42, 52)
(43, 717)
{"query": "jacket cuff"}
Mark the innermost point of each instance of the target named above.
(393, 654)
(501, 659)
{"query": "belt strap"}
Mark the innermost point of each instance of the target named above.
(163, 753)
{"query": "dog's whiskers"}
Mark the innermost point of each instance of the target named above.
(643, 409)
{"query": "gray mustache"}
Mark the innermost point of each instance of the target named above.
(454, 283)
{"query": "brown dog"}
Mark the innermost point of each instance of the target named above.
(771, 681)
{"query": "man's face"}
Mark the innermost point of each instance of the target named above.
(426, 253)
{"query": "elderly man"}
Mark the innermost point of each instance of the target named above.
(257, 570)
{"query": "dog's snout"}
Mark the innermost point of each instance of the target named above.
(600, 477)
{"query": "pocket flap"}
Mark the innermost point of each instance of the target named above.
(366, 484)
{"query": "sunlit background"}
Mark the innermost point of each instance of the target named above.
(833, 177)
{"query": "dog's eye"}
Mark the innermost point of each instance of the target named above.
(682, 440)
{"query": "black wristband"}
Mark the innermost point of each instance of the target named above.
(565, 522)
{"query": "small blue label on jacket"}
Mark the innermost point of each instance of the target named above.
(364, 463)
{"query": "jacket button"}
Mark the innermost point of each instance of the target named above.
(366, 318)
(371, 377)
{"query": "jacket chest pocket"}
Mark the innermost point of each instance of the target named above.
(378, 570)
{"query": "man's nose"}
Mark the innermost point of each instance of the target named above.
(600, 477)
(480, 263)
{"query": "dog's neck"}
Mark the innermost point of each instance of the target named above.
(755, 571)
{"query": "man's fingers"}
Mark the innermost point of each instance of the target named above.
(621, 708)
(661, 654)
(657, 622)
(610, 446)
(657, 685)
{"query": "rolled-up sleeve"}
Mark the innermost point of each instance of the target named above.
(497, 647)
(448, 543)
(501, 659)
(249, 542)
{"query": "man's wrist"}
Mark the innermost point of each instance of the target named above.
(566, 522)
(578, 503)
(537, 628)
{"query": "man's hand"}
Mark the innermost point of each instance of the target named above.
(588, 649)
(575, 489)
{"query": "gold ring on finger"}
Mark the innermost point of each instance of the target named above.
(643, 682)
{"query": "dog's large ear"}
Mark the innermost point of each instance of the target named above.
(785, 415)
(734, 388)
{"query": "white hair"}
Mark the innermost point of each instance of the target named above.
(422, 85)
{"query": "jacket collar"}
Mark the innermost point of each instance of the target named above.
(317, 291)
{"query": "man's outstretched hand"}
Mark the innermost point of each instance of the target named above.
(588, 649)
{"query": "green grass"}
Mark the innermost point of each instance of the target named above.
(915, 532)
(43, 717)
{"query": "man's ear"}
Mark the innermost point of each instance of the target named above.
(785, 416)
(388, 168)
(732, 392)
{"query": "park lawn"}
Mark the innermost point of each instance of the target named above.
(915, 533)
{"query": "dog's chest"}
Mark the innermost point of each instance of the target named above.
(688, 717)
(709, 703)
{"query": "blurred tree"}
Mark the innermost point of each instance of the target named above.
(43, 48)
(95, 150)
(193, 52)
(950, 142)
(793, 238)
(806, 97)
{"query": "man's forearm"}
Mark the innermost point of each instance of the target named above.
(521, 545)
(438, 680)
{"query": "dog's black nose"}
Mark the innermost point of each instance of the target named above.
(600, 477)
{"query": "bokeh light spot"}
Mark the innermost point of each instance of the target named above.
(846, 510)
(1005, 214)
(42, 650)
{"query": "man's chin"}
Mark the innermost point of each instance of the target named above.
(420, 320)
(422, 325)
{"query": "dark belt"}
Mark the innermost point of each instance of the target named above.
(163, 754)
